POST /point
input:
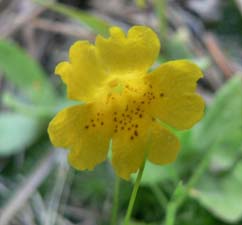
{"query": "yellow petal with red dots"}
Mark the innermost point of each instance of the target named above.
(132, 54)
(85, 130)
(164, 146)
(123, 102)
(129, 144)
(84, 74)
(173, 85)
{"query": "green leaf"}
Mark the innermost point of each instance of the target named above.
(222, 125)
(222, 195)
(25, 73)
(41, 111)
(96, 24)
(220, 132)
(17, 132)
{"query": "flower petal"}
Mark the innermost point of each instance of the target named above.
(164, 146)
(134, 54)
(173, 85)
(83, 74)
(85, 131)
(128, 147)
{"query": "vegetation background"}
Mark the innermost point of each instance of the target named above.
(37, 186)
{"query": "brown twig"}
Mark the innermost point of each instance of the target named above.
(217, 54)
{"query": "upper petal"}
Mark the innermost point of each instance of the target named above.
(175, 77)
(164, 146)
(173, 84)
(85, 130)
(134, 54)
(84, 74)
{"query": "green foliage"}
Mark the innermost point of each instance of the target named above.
(34, 105)
(97, 25)
(217, 194)
(222, 123)
(231, 21)
(153, 174)
(17, 132)
(24, 73)
(192, 211)
(222, 194)
(221, 132)
(140, 223)
(176, 48)
(93, 185)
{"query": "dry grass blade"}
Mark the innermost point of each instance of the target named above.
(13, 18)
(56, 193)
(62, 28)
(25, 191)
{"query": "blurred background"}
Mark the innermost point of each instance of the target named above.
(37, 186)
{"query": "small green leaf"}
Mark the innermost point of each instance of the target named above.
(25, 73)
(17, 132)
(179, 191)
(98, 25)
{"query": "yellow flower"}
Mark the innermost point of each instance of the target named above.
(124, 102)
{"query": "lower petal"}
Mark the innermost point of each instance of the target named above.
(128, 147)
(164, 146)
(83, 130)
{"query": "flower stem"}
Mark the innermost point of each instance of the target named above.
(115, 201)
(134, 193)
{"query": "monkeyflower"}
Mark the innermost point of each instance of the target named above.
(125, 104)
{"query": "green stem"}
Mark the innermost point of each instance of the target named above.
(171, 212)
(115, 201)
(177, 201)
(161, 8)
(134, 193)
